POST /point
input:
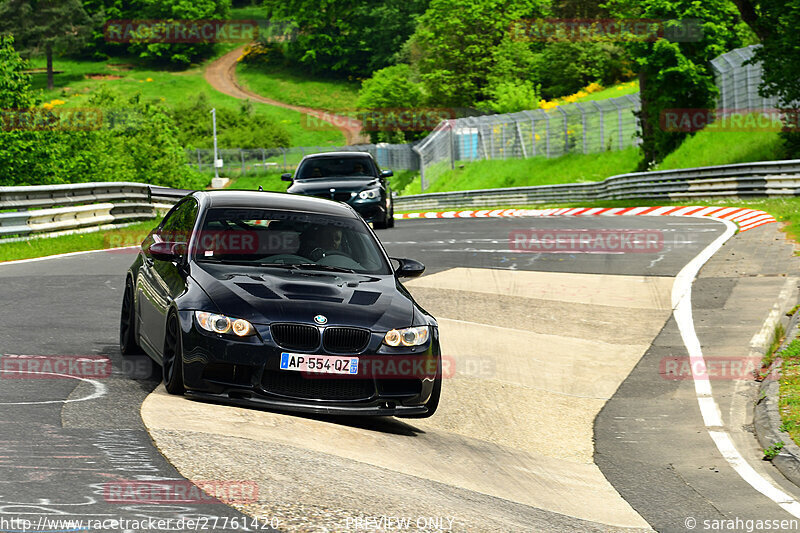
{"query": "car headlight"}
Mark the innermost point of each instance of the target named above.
(223, 324)
(407, 336)
(370, 194)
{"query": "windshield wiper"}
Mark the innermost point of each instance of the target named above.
(315, 266)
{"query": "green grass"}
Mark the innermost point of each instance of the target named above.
(708, 148)
(98, 240)
(569, 168)
(298, 87)
(789, 396)
(614, 91)
(74, 85)
(249, 13)
(270, 181)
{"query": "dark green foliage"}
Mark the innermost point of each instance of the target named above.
(564, 68)
(244, 129)
(45, 26)
(453, 46)
(677, 75)
(127, 140)
(347, 37)
(391, 88)
(176, 54)
(776, 23)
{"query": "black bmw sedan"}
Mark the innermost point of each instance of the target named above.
(350, 177)
(280, 301)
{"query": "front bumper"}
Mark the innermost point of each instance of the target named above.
(247, 372)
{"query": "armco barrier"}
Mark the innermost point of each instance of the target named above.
(43, 209)
(54, 208)
(771, 178)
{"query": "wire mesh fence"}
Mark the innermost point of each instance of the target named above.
(738, 82)
(242, 162)
(581, 127)
(585, 127)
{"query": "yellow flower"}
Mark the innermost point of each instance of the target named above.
(581, 94)
(620, 87)
(571, 98)
(593, 87)
(149, 79)
(537, 137)
(163, 99)
(47, 105)
(56, 101)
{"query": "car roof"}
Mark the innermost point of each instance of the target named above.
(273, 200)
(323, 155)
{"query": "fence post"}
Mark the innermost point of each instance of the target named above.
(602, 126)
(566, 129)
(583, 125)
(241, 156)
(452, 125)
(199, 163)
(284, 158)
(547, 134)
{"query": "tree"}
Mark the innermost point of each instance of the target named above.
(452, 47)
(347, 37)
(775, 21)
(45, 25)
(676, 75)
(15, 83)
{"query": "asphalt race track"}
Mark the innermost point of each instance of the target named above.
(557, 415)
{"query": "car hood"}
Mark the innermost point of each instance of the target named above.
(324, 185)
(374, 302)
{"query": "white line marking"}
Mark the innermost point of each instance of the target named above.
(57, 256)
(99, 389)
(682, 310)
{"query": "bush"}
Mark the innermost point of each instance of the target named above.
(134, 142)
(177, 54)
(564, 68)
(242, 129)
(391, 88)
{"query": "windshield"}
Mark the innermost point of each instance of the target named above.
(288, 239)
(322, 167)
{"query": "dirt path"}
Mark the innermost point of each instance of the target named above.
(221, 74)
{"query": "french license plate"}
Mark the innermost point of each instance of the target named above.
(319, 364)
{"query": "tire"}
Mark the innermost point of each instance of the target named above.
(172, 363)
(380, 224)
(390, 221)
(127, 324)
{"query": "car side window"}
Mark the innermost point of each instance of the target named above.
(178, 225)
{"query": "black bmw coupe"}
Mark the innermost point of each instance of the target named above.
(281, 301)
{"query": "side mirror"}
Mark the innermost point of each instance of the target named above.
(408, 268)
(167, 251)
(286, 177)
(387, 173)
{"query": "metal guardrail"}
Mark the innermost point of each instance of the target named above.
(42, 209)
(771, 178)
(83, 205)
